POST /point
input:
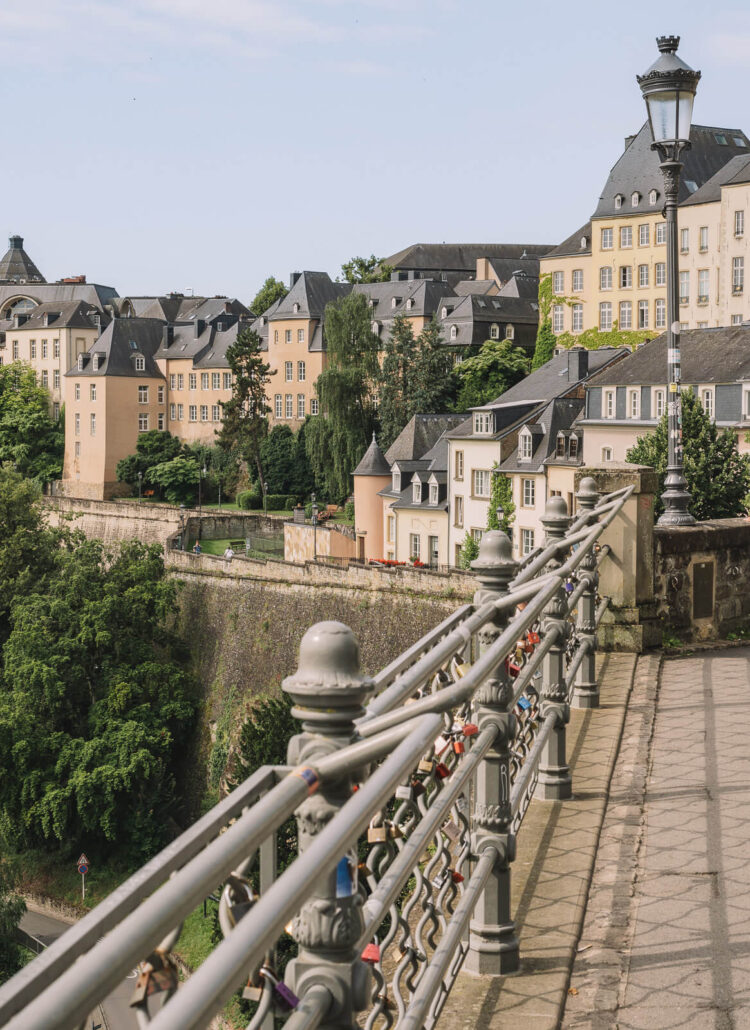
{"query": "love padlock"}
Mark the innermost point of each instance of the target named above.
(512, 668)
(285, 995)
(377, 834)
(470, 729)
(442, 771)
(459, 747)
(371, 953)
(532, 637)
(417, 787)
(425, 766)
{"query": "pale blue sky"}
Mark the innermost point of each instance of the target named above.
(163, 145)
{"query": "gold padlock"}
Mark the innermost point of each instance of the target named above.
(376, 834)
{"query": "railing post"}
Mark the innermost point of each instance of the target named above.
(586, 693)
(554, 782)
(329, 694)
(493, 945)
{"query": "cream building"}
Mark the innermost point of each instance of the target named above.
(612, 271)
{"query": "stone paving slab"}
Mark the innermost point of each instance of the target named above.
(681, 956)
(557, 846)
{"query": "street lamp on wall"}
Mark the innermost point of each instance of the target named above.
(669, 87)
(140, 480)
(315, 527)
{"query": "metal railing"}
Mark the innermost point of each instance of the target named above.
(408, 789)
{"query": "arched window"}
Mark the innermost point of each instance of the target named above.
(494, 332)
(444, 312)
(510, 332)
(140, 363)
(376, 328)
(295, 308)
(618, 201)
(454, 332)
(409, 304)
(653, 197)
(635, 198)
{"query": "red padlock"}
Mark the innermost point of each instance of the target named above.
(371, 953)
(442, 770)
(470, 729)
(532, 637)
(458, 747)
(511, 668)
(456, 877)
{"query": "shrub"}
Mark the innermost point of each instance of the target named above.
(291, 503)
(349, 510)
(249, 500)
(280, 502)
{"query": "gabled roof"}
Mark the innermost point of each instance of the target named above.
(572, 246)
(734, 173)
(312, 292)
(424, 295)
(419, 436)
(373, 462)
(121, 342)
(720, 355)
(506, 268)
(68, 315)
(197, 339)
(175, 307)
(559, 414)
(481, 286)
(458, 257)
(16, 266)
(554, 379)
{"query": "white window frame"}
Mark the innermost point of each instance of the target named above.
(626, 237)
(644, 235)
(634, 403)
(605, 278)
(660, 273)
(558, 318)
(143, 395)
(433, 493)
(577, 318)
(301, 407)
(140, 363)
(278, 406)
(626, 277)
(143, 422)
(704, 285)
(525, 448)
(459, 466)
(703, 239)
(658, 401)
(192, 412)
(558, 282)
(289, 405)
(527, 541)
(301, 371)
(480, 483)
(288, 371)
(738, 275)
(609, 403)
(643, 314)
(652, 197)
(458, 511)
(605, 316)
(415, 546)
(494, 332)
(391, 538)
(660, 313)
(684, 240)
(643, 275)
(625, 320)
(707, 400)
(216, 380)
(528, 493)
(482, 423)
(216, 413)
(606, 454)
(577, 280)
(739, 223)
(684, 286)
(608, 239)
(204, 413)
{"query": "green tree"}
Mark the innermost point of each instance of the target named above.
(30, 439)
(12, 907)
(498, 366)
(337, 439)
(546, 341)
(469, 551)
(366, 270)
(396, 381)
(277, 454)
(303, 480)
(245, 423)
(178, 479)
(152, 449)
(433, 388)
(271, 291)
(94, 706)
(718, 476)
(501, 496)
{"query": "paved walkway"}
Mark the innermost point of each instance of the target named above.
(666, 939)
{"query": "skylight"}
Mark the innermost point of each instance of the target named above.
(721, 139)
(738, 141)
(691, 185)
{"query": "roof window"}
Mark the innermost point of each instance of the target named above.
(295, 308)
(738, 141)
(635, 198)
(618, 201)
(133, 345)
(584, 242)
(653, 197)
(691, 185)
(721, 139)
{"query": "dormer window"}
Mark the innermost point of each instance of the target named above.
(584, 242)
(140, 363)
(454, 332)
(494, 332)
(95, 361)
(433, 493)
(80, 362)
(524, 445)
(653, 197)
(573, 447)
(635, 199)
(376, 328)
(482, 423)
(510, 332)
(444, 312)
(560, 448)
(394, 302)
(371, 303)
(295, 308)
(618, 201)
(416, 495)
(396, 481)
(409, 304)
(219, 327)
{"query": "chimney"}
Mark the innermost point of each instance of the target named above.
(167, 335)
(578, 364)
(16, 242)
(628, 141)
(293, 279)
(198, 327)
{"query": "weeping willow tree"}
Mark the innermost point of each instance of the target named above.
(338, 437)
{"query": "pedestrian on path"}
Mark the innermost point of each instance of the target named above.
(228, 554)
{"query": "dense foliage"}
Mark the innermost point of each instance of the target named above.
(546, 341)
(285, 462)
(366, 270)
(718, 476)
(499, 365)
(12, 907)
(501, 496)
(30, 439)
(469, 551)
(271, 291)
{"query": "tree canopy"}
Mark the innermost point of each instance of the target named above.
(396, 380)
(30, 439)
(271, 291)
(12, 907)
(718, 476)
(245, 424)
(498, 366)
(366, 270)
(178, 478)
(501, 496)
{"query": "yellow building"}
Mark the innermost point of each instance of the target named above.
(612, 271)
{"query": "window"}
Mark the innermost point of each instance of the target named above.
(414, 546)
(77, 424)
(652, 197)
(78, 449)
(643, 314)
(609, 403)
(454, 332)
(301, 371)
(180, 412)
(510, 332)
(289, 406)
(635, 199)
(193, 413)
(375, 327)
(173, 382)
(560, 446)
(416, 492)
(143, 422)
(277, 406)
(276, 336)
(660, 314)
(524, 445)
(634, 406)
(660, 273)
(300, 405)
(558, 282)
(44, 348)
(173, 412)
(180, 381)
(644, 235)
(313, 405)
(92, 425)
(736, 320)
(605, 278)
(433, 493)
(480, 483)
(659, 403)
(684, 327)
(396, 486)
(295, 308)
(703, 238)
(215, 413)
(143, 395)
(528, 492)
(606, 454)
(391, 529)
(300, 336)
(577, 280)
(193, 381)
(707, 400)
(607, 239)
(55, 348)
(738, 274)
(684, 287)
(527, 541)
(684, 241)
(495, 331)
(702, 325)
(626, 236)
(626, 315)
(661, 232)
(739, 223)
(642, 275)
(288, 336)
(482, 423)
(577, 316)
(45, 377)
(77, 391)
(605, 316)
(626, 276)
(289, 371)
(92, 391)
(15, 350)
(160, 421)
(703, 274)
(140, 364)
(204, 413)
(459, 465)
(56, 379)
(618, 201)
(558, 318)
(458, 511)
(80, 362)
(572, 452)
(227, 380)
(32, 348)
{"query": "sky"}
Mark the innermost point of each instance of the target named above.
(177, 145)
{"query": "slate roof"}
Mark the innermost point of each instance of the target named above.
(118, 346)
(457, 257)
(523, 286)
(16, 266)
(557, 415)
(479, 286)
(553, 380)
(506, 268)
(419, 436)
(192, 340)
(432, 466)
(733, 173)
(572, 246)
(425, 296)
(312, 291)
(175, 307)
(473, 315)
(637, 168)
(68, 315)
(719, 355)
(260, 324)
(373, 462)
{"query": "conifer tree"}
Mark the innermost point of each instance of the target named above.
(433, 385)
(245, 423)
(546, 341)
(396, 381)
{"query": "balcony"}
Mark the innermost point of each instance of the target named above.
(737, 289)
(703, 299)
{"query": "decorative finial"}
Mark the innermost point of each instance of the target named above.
(668, 44)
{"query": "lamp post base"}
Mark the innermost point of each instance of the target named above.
(676, 498)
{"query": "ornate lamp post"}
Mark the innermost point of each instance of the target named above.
(315, 527)
(140, 480)
(669, 88)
